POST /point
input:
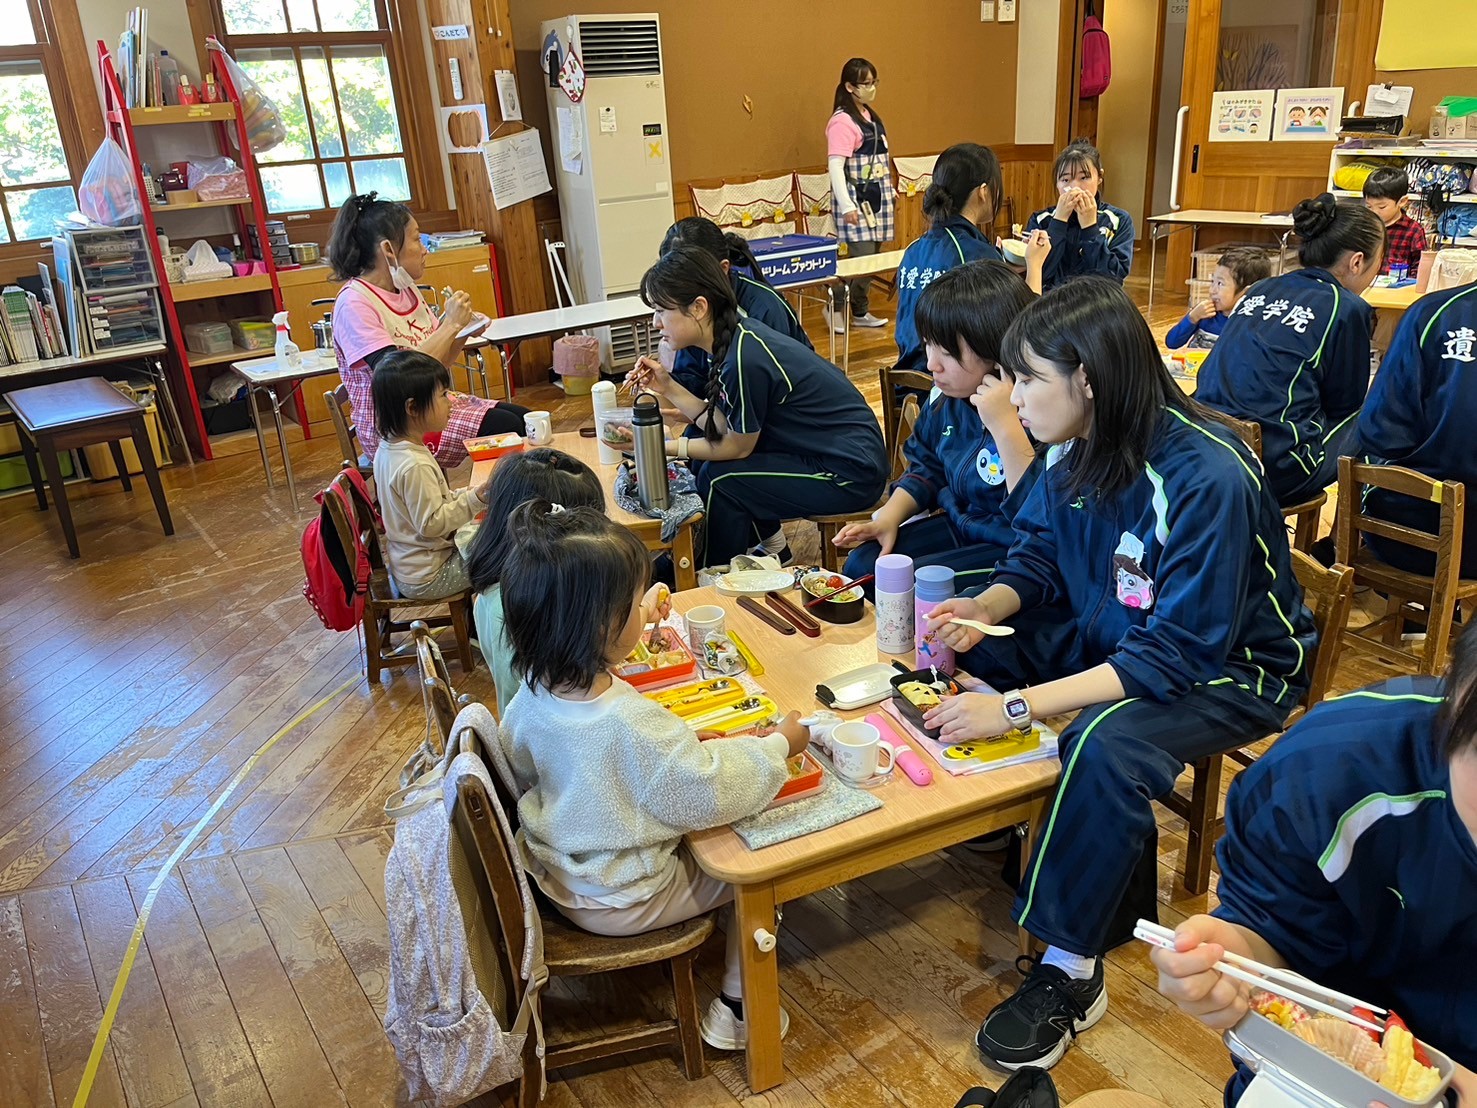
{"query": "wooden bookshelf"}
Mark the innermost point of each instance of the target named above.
(226, 286)
(179, 113)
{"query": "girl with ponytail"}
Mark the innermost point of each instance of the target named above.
(756, 297)
(1294, 355)
(961, 204)
(375, 249)
(785, 434)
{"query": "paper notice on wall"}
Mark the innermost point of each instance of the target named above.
(571, 139)
(515, 166)
(507, 95)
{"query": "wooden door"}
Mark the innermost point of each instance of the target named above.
(1294, 43)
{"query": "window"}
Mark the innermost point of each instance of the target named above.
(35, 170)
(327, 65)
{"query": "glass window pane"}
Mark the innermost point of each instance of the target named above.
(366, 102)
(275, 71)
(4, 232)
(348, 15)
(337, 176)
(320, 98)
(301, 16)
(254, 17)
(383, 175)
(30, 145)
(292, 188)
(15, 26)
(1294, 50)
(35, 211)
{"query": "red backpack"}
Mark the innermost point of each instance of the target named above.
(1097, 56)
(338, 579)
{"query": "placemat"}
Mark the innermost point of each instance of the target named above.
(836, 803)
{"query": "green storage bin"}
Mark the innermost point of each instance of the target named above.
(14, 475)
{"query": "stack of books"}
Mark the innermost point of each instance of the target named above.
(451, 240)
(30, 328)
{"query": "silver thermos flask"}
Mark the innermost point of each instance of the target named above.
(651, 453)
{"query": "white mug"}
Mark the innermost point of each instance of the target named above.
(540, 428)
(858, 752)
(706, 621)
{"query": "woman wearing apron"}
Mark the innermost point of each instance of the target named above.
(861, 183)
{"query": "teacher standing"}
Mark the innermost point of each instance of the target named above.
(861, 183)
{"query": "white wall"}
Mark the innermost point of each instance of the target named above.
(1126, 109)
(1036, 61)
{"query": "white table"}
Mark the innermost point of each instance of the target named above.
(1162, 226)
(267, 375)
(513, 330)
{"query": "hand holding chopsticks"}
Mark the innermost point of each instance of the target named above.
(1194, 982)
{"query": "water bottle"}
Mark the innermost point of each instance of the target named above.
(651, 453)
(932, 585)
(602, 396)
(893, 601)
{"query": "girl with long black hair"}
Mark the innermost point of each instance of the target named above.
(785, 434)
(1153, 526)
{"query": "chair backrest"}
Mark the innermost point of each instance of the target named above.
(906, 417)
(891, 378)
(435, 679)
(1329, 593)
(1251, 433)
(366, 524)
(339, 414)
(498, 917)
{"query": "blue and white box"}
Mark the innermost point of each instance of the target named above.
(795, 259)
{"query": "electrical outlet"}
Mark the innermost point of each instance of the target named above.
(987, 11)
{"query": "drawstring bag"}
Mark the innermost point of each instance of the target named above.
(1097, 56)
(1028, 1087)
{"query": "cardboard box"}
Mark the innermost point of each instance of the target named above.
(795, 259)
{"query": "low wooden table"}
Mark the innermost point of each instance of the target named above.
(913, 820)
(648, 530)
(81, 413)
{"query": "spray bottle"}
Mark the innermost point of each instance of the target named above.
(288, 353)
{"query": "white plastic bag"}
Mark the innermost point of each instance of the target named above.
(201, 264)
(107, 194)
(216, 178)
(264, 128)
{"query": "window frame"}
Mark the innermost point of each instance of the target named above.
(63, 57)
(398, 37)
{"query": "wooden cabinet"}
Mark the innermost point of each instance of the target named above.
(469, 269)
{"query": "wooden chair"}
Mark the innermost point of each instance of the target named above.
(890, 378)
(340, 414)
(1439, 594)
(381, 605)
(442, 702)
(1305, 516)
(828, 526)
(1330, 594)
(570, 952)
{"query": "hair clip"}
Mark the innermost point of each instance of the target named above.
(365, 199)
(555, 509)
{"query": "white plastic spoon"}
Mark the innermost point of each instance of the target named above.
(983, 628)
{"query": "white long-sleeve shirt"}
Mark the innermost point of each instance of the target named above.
(420, 510)
(610, 785)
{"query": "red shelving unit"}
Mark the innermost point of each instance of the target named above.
(122, 123)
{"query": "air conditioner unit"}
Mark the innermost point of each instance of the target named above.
(612, 158)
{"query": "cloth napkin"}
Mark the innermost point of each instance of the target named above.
(836, 803)
(685, 502)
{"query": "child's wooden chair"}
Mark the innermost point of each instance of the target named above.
(381, 605)
(1437, 595)
(339, 414)
(1329, 593)
(829, 526)
(442, 701)
(570, 952)
(1305, 516)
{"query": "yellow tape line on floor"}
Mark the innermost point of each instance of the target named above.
(89, 1075)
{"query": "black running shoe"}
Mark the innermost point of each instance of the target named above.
(1034, 1027)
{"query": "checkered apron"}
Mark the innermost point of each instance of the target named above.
(869, 178)
(406, 330)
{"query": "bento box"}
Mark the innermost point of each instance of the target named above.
(648, 666)
(493, 446)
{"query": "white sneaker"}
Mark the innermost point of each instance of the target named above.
(835, 320)
(868, 320)
(722, 1030)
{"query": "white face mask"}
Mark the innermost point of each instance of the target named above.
(399, 276)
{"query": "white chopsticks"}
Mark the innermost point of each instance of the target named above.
(1283, 982)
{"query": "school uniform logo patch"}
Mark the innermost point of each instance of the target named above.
(1134, 586)
(987, 465)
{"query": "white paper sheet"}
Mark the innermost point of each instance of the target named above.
(571, 140)
(515, 166)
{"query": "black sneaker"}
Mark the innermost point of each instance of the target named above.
(1034, 1026)
(786, 556)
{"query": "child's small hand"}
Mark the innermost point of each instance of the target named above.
(992, 400)
(482, 490)
(795, 731)
(656, 605)
(1203, 310)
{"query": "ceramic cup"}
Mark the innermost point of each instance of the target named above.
(540, 428)
(858, 752)
(705, 622)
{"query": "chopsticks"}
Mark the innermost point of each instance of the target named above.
(751, 606)
(837, 592)
(807, 626)
(1272, 979)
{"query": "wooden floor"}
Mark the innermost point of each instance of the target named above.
(136, 682)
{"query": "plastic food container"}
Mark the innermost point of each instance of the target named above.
(910, 711)
(493, 446)
(806, 777)
(207, 338)
(646, 668)
(1289, 1061)
(253, 334)
(613, 426)
(846, 607)
(700, 698)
